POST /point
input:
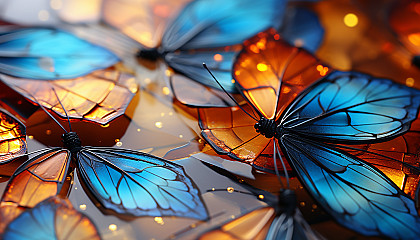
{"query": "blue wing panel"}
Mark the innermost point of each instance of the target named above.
(38, 224)
(353, 107)
(357, 195)
(219, 23)
(139, 184)
(190, 64)
(303, 28)
(43, 53)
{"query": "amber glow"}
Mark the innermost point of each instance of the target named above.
(218, 57)
(262, 67)
(351, 20)
(159, 220)
(166, 91)
(322, 70)
(414, 38)
(409, 82)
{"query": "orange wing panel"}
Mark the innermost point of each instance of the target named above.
(268, 67)
(39, 178)
(99, 97)
(12, 142)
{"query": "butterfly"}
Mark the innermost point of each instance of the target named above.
(37, 60)
(313, 114)
(186, 34)
(127, 182)
(12, 142)
(53, 218)
(405, 21)
(282, 222)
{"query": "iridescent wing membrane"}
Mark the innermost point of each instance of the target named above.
(315, 114)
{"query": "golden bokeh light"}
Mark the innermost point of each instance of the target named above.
(351, 20)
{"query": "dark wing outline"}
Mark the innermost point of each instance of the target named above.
(102, 155)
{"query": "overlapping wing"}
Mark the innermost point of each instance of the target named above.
(99, 97)
(12, 141)
(356, 194)
(43, 53)
(270, 73)
(138, 184)
(142, 20)
(353, 107)
(53, 218)
(302, 28)
(34, 181)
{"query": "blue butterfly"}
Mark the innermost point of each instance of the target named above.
(203, 31)
(52, 218)
(44, 53)
(127, 182)
(311, 124)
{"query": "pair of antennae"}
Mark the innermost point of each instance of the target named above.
(276, 150)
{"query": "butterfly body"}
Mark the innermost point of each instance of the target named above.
(309, 113)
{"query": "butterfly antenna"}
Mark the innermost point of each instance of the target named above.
(45, 110)
(224, 90)
(276, 150)
(61, 104)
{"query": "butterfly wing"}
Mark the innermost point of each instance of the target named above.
(214, 25)
(38, 178)
(353, 107)
(43, 53)
(139, 184)
(356, 194)
(53, 218)
(99, 97)
(270, 73)
(302, 28)
(12, 142)
(142, 20)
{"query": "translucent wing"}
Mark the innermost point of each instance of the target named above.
(44, 53)
(99, 97)
(231, 132)
(209, 25)
(356, 194)
(142, 20)
(270, 73)
(218, 23)
(353, 107)
(194, 94)
(37, 179)
(190, 64)
(139, 184)
(263, 223)
(302, 28)
(52, 219)
(12, 141)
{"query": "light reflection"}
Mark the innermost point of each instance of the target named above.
(414, 38)
(322, 70)
(56, 4)
(112, 227)
(158, 124)
(218, 57)
(43, 15)
(230, 189)
(409, 82)
(262, 67)
(351, 20)
(82, 207)
(159, 220)
(166, 91)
